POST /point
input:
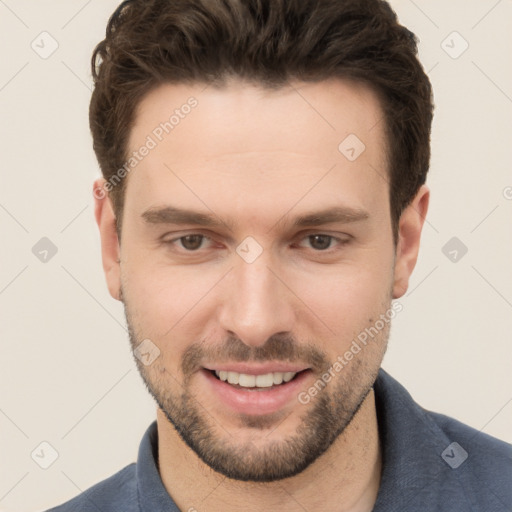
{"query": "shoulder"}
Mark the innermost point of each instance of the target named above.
(435, 462)
(482, 461)
(478, 441)
(118, 492)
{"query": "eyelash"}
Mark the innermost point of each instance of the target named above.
(341, 242)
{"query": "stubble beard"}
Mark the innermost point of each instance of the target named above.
(321, 422)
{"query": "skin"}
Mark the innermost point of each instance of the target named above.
(254, 157)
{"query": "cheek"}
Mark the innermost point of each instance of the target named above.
(165, 301)
(349, 297)
(157, 311)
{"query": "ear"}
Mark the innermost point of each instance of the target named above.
(110, 249)
(409, 233)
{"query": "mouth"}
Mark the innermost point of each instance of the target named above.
(256, 391)
(263, 381)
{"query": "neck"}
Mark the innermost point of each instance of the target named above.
(347, 476)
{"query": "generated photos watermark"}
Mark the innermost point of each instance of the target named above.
(357, 345)
(152, 140)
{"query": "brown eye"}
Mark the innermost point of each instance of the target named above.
(191, 242)
(320, 242)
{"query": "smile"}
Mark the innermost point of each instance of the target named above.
(256, 394)
(245, 380)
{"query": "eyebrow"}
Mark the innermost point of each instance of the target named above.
(172, 215)
(178, 216)
(339, 214)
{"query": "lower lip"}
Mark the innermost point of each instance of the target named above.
(257, 401)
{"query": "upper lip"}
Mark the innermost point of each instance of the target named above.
(257, 369)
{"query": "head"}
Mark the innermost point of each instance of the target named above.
(261, 206)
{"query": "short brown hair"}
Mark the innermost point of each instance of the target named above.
(268, 42)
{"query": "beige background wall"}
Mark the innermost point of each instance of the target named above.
(67, 374)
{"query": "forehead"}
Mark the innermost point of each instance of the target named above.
(247, 141)
(254, 117)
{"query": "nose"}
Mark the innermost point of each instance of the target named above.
(257, 304)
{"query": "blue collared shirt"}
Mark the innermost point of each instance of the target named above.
(430, 463)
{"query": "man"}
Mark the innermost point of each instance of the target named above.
(260, 213)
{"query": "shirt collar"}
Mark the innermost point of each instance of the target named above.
(411, 444)
(152, 495)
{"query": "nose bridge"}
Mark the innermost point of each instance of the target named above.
(256, 305)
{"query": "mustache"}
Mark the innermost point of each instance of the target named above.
(279, 347)
(276, 348)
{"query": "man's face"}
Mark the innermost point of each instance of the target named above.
(290, 298)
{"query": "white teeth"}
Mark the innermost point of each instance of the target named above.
(288, 376)
(278, 378)
(233, 377)
(247, 381)
(266, 380)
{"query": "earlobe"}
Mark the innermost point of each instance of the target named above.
(410, 226)
(110, 249)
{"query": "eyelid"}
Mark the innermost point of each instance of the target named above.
(301, 235)
(173, 241)
(177, 235)
(311, 232)
(340, 240)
